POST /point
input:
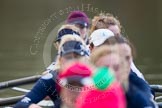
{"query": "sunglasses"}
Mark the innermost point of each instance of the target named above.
(81, 26)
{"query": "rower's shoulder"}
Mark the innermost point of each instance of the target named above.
(50, 75)
(47, 76)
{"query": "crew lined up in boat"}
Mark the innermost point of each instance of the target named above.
(71, 45)
(72, 48)
(78, 23)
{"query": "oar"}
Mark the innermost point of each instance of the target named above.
(21, 89)
(158, 98)
(10, 100)
(19, 81)
(156, 88)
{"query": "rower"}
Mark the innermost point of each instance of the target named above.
(77, 23)
(116, 53)
(72, 48)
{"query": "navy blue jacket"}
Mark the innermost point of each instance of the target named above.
(45, 86)
(139, 93)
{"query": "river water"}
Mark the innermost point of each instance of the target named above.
(27, 29)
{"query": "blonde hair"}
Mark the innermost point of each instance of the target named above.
(102, 51)
(65, 39)
(68, 37)
(104, 21)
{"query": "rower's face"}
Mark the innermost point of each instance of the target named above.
(115, 29)
(118, 62)
(83, 30)
(112, 61)
(69, 58)
(125, 51)
(126, 56)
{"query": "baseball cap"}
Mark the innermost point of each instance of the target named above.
(99, 36)
(74, 73)
(65, 32)
(78, 17)
(76, 69)
(73, 47)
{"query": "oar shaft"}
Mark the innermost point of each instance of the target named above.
(20, 81)
(9, 101)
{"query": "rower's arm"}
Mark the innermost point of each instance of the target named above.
(38, 93)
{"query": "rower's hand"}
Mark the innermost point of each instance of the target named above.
(34, 106)
(45, 72)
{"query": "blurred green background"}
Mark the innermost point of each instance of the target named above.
(26, 27)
